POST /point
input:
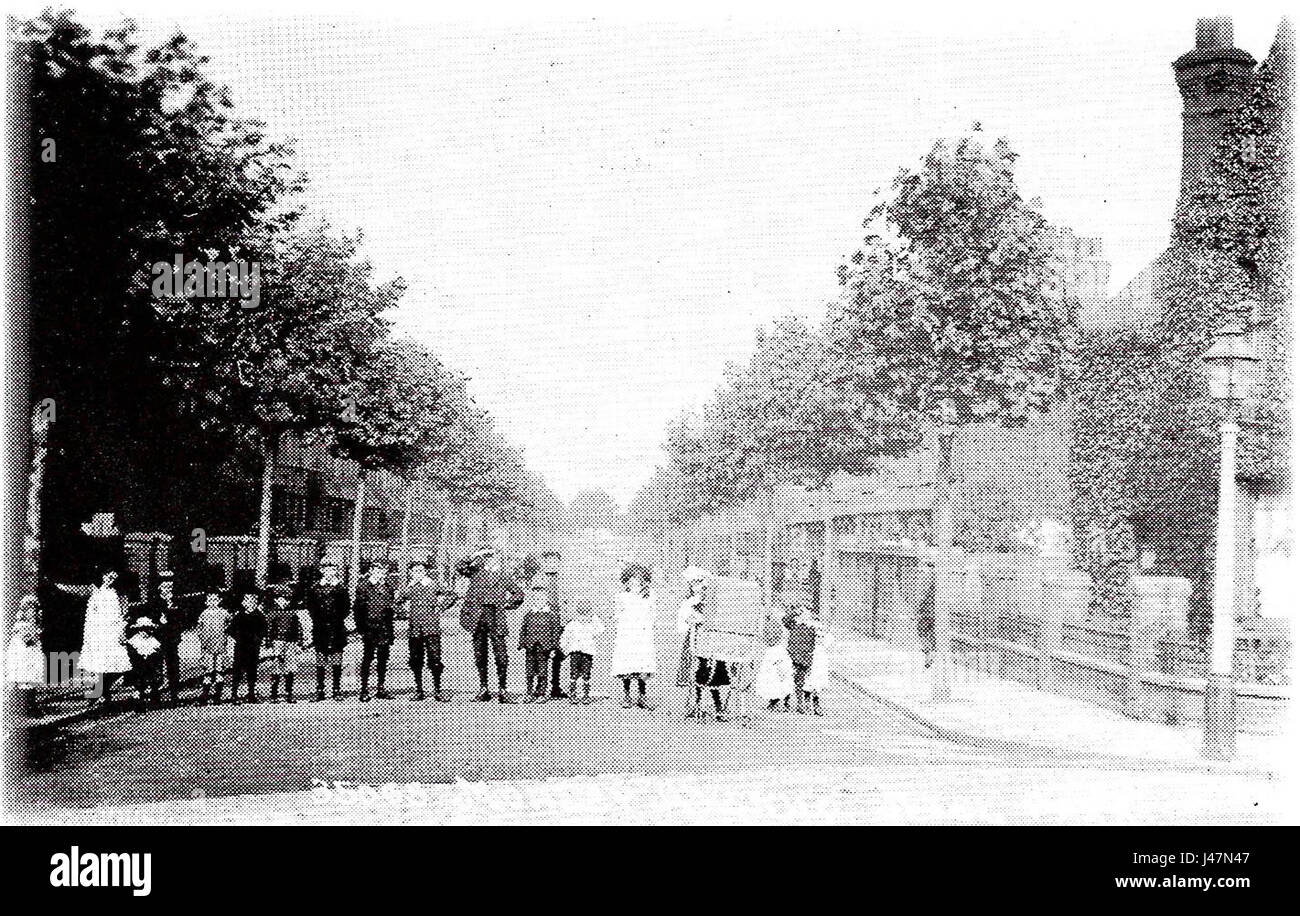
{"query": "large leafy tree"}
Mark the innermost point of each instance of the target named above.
(952, 313)
(135, 156)
(397, 412)
(289, 366)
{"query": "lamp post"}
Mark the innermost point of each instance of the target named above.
(1230, 367)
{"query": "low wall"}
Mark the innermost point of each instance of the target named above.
(1149, 695)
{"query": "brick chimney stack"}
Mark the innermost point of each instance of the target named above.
(1212, 80)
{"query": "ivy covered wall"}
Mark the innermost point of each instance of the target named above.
(1144, 452)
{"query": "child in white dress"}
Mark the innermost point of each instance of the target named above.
(775, 673)
(634, 642)
(24, 660)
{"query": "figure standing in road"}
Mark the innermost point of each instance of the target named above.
(373, 613)
(166, 612)
(775, 680)
(247, 630)
(327, 606)
(802, 629)
(425, 602)
(539, 638)
(925, 610)
(579, 643)
(103, 651)
(491, 595)
(697, 673)
(551, 570)
(634, 638)
(284, 637)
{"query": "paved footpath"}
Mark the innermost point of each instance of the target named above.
(469, 762)
(989, 710)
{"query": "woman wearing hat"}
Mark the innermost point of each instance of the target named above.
(103, 652)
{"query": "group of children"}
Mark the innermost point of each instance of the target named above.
(248, 628)
(543, 634)
(237, 631)
(794, 661)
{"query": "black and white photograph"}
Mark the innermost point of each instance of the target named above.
(683, 415)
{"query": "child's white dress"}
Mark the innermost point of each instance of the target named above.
(775, 674)
(819, 675)
(24, 661)
(634, 635)
(102, 651)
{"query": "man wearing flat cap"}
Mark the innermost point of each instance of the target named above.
(491, 595)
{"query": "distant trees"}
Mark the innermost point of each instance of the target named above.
(594, 509)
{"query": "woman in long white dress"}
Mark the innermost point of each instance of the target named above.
(103, 651)
(634, 634)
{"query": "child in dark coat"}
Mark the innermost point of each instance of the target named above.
(284, 637)
(802, 644)
(247, 628)
(539, 638)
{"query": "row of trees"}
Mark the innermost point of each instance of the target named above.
(166, 407)
(951, 314)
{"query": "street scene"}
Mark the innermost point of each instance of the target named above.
(559, 763)
(596, 422)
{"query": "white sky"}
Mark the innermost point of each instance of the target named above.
(593, 215)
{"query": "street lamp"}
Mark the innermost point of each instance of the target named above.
(1230, 365)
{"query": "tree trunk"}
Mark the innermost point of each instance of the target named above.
(830, 560)
(769, 524)
(441, 543)
(41, 417)
(354, 562)
(270, 448)
(945, 572)
(406, 528)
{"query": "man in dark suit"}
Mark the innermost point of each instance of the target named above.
(491, 595)
(327, 606)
